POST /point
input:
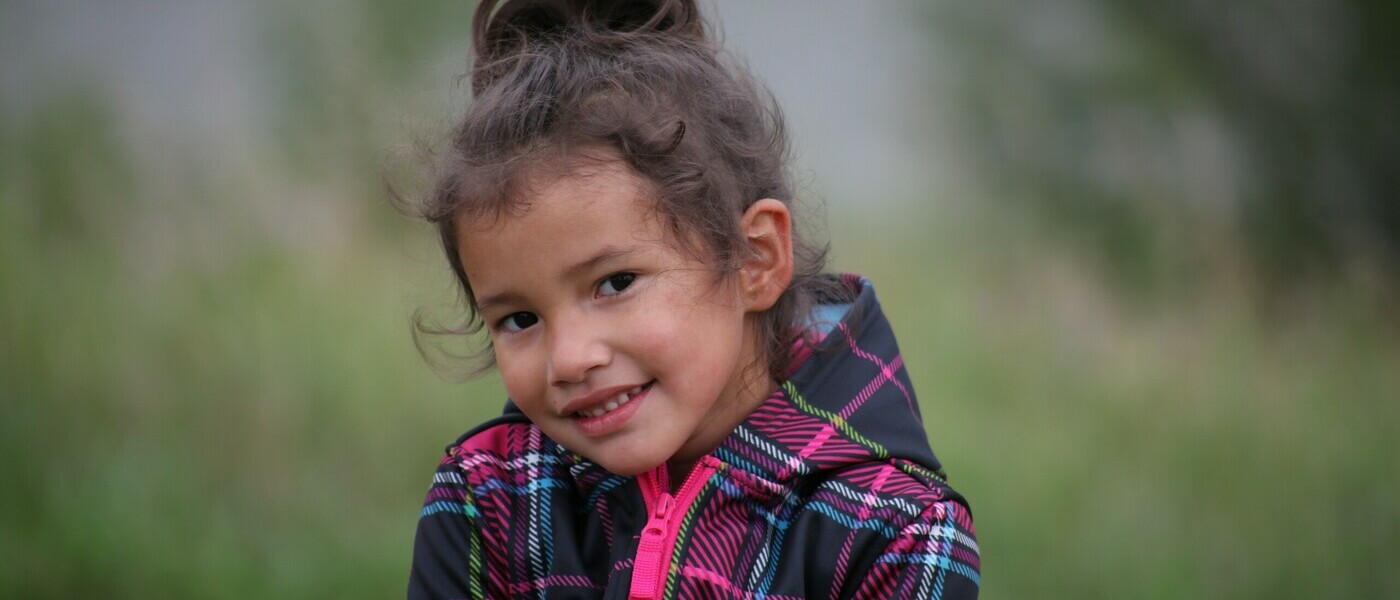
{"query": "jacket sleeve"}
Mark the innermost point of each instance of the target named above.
(935, 557)
(447, 554)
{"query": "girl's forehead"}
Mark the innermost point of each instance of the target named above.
(582, 192)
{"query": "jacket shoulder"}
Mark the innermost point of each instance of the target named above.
(919, 531)
(499, 447)
(459, 538)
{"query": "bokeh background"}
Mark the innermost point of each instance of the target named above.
(1143, 259)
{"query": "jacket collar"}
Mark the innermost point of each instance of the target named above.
(847, 401)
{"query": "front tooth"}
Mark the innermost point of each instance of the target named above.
(597, 412)
(611, 405)
(623, 399)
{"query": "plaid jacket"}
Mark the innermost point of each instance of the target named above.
(828, 490)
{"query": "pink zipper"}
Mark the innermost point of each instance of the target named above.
(665, 512)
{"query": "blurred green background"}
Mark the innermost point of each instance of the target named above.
(1143, 261)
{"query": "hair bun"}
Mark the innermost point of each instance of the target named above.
(501, 29)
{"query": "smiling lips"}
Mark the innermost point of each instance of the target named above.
(612, 404)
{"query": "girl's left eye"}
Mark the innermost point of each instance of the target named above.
(614, 284)
(517, 322)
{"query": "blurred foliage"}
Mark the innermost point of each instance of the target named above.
(1202, 450)
(1268, 124)
(209, 389)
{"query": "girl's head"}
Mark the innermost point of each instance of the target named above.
(615, 208)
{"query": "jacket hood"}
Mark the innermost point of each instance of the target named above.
(847, 401)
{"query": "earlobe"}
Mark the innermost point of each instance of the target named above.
(767, 271)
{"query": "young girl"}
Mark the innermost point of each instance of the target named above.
(695, 410)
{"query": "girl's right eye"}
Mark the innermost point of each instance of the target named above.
(520, 321)
(616, 283)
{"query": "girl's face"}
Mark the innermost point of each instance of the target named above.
(618, 345)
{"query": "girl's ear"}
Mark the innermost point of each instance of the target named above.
(767, 271)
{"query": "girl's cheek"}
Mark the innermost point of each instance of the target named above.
(520, 378)
(654, 337)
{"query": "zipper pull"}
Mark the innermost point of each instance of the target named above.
(663, 507)
(646, 569)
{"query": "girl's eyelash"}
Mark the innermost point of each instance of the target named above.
(619, 282)
(508, 325)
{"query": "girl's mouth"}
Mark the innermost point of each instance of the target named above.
(615, 403)
(613, 414)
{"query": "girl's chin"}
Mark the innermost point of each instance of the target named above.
(626, 461)
(628, 466)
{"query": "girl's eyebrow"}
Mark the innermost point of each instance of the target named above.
(605, 255)
(484, 304)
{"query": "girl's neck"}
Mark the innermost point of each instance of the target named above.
(680, 466)
(677, 471)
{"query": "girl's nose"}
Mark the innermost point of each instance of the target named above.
(574, 351)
